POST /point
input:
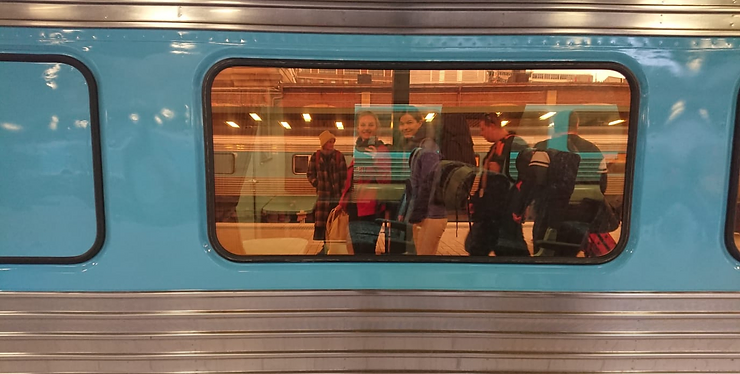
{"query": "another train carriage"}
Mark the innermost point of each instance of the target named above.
(157, 217)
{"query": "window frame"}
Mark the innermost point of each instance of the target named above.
(732, 196)
(308, 160)
(97, 164)
(224, 64)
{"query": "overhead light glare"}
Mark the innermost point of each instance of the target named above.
(285, 124)
(551, 124)
(612, 123)
(340, 125)
(547, 115)
(232, 124)
(255, 117)
(429, 117)
(306, 117)
(504, 123)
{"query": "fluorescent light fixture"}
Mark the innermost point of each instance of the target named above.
(551, 124)
(504, 123)
(255, 117)
(232, 124)
(612, 123)
(340, 125)
(429, 117)
(285, 124)
(306, 117)
(547, 115)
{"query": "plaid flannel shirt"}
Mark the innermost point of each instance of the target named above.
(328, 179)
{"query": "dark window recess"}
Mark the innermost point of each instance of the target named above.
(300, 164)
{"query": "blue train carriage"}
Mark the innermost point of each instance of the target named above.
(123, 180)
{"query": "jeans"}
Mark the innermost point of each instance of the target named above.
(364, 234)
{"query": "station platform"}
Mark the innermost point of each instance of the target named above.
(296, 239)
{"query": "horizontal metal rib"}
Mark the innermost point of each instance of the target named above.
(371, 300)
(388, 17)
(369, 332)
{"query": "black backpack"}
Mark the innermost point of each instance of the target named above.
(454, 185)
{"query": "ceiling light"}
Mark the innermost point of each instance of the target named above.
(340, 125)
(429, 117)
(306, 117)
(612, 123)
(547, 115)
(232, 124)
(285, 124)
(504, 123)
(255, 117)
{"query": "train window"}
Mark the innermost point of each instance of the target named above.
(49, 139)
(300, 164)
(523, 165)
(224, 163)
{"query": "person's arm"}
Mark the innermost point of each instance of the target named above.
(311, 173)
(342, 169)
(383, 165)
(603, 175)
(344, 200)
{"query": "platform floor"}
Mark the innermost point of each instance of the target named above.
(296, 239)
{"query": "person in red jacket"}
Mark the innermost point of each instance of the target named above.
(370, 165)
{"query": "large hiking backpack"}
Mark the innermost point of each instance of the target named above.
(454, 185)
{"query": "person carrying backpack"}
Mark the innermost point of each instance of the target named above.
(504, 142)
(495, 227)
(593, 218)
(428, 216)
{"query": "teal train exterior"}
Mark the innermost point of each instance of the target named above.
(110, 261)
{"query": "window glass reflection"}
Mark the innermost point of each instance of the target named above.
(505, 163)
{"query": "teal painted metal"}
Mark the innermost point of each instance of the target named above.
(48, 199)
(151, 117)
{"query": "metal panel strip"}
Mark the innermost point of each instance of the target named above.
(369, 332)
(697, 18)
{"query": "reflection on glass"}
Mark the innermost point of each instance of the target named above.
(477, 163)
(48, 204)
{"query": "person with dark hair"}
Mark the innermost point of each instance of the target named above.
(494, 228)
(566, 138)
(504, 142)
(327, 171)
(370, 165)
(456, 142)
(412, 128)
(429, 217)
